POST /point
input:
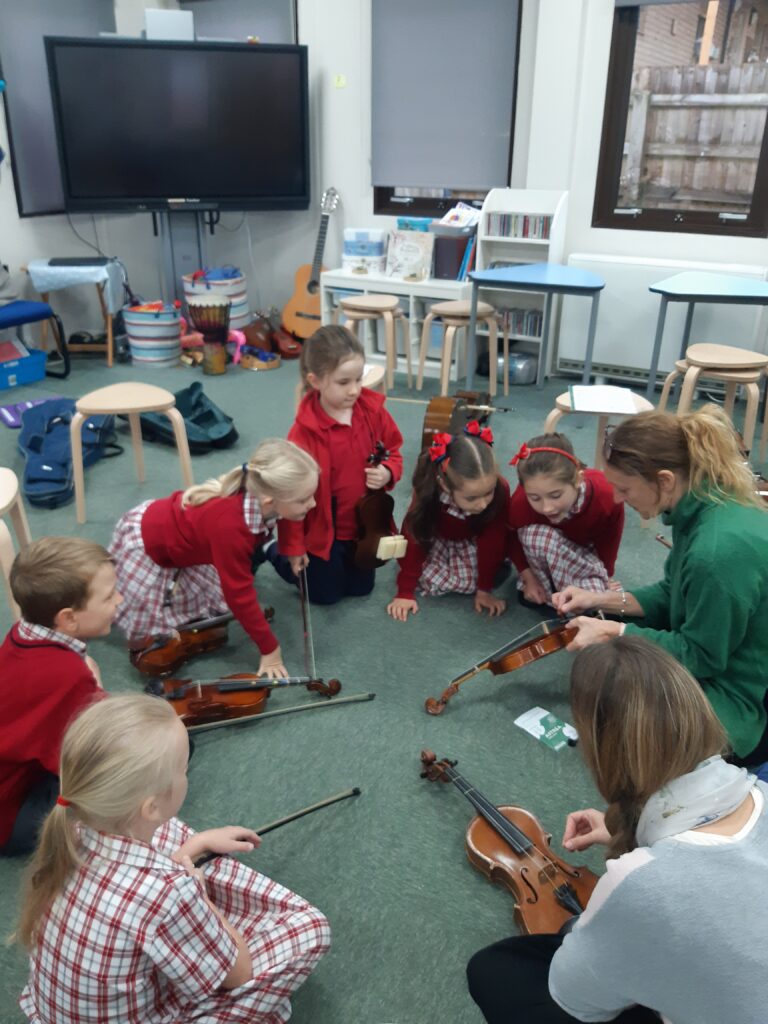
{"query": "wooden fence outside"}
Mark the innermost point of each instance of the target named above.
(694, 136)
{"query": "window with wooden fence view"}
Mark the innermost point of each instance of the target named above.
(684, 133)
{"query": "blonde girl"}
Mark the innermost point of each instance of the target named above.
(191, 555)
(456, 524)
(120, 925)
(567, 526)
(666, 934)
(711, 609)
(340, 423)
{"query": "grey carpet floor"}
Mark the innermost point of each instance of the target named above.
(388, 868)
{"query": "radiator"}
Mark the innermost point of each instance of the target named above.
(626, 324)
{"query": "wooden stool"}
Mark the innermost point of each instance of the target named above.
(563, 407)
(373, 377)
(11, 503)
(455, 315)
(357, 308)
(731, 366)
(128, 399)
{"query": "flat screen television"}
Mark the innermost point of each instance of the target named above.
(144, 125)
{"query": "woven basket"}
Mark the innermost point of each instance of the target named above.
(153, 336)
(234, 288)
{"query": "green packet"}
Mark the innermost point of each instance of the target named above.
(550, 730)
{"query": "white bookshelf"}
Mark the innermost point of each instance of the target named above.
(520, 226)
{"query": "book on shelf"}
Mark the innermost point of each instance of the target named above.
(526, 322)
(519, 225)
(469, 257)
(409, 255)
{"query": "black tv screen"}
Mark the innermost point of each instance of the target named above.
(164, 125)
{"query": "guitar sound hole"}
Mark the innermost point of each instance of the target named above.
(312, 287)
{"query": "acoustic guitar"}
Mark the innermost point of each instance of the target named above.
(301, 315)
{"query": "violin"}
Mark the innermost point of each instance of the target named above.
(510, 847)
(231, 697)
(375, 522)
(164, 653)
(450, 414)
(510, 657)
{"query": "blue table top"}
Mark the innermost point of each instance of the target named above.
(701, 285)
(543, 276)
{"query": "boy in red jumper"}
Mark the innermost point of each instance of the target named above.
(567, 525)
(339, 422)
(67, 592)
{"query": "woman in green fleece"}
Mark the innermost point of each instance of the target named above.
(711, 609)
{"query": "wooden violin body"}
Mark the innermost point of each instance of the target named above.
(163, 654)
(509, 846)
(508, 659)
(375, 520)
(449, 414)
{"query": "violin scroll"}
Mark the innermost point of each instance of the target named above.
(436, 706)
(329, 689)
(434, 770)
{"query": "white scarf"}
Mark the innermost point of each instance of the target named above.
(711, 791)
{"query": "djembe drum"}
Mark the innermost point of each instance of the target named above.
(210, 316)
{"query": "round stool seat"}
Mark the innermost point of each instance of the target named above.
(461, 308)
(563, 404)
(127, 397)
(370, 303)
(9, 489)
(734, 376)
(723, 357)
(373, 376)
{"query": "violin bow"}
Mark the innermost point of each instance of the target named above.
(436, 706)
(352, 699)
(309, 644)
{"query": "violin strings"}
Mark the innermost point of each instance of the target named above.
(540, 627)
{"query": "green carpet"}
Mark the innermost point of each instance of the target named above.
(388, 868)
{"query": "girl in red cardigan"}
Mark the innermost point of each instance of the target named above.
(191, 555)
(456, 526)
(339, 422)
(567, 526)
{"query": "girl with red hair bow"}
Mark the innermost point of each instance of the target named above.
(456, 524)
(567, 526)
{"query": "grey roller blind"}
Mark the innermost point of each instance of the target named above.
(271, 20)
(23, 24)
(646, 3)
(443, 79)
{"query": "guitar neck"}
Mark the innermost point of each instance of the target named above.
(320, 246)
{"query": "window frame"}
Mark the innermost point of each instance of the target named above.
(615, 115)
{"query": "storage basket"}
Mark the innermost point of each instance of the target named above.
(154, 335)
(234, 287)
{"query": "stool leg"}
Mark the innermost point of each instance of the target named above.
(602, 426)
(351, 325)
(390, 348)
(20, 524)
(7, 555)
(764, 437)
(138, 454)
(182, 444)
(730, 398)
(750, 418)
(445, 363)
(671, 377)
(493, 355)
(76, 443)
(426, 332)
(550, 423)
(505, 360)
(689, 388)
(406, 332)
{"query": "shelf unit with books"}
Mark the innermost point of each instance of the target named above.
(520, 226)
(415, 299)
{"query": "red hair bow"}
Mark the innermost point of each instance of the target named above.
(524, 452)
(474, 429)
(438, 450)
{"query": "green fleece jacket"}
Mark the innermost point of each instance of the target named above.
(711, 609)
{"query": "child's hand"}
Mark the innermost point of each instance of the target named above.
(186, 862)
(484, 601)
(377, 477)
(615, 585)
(533, 590)
(297, 563)
(95, 669)
(585, 828)
(271, 665)
(400, 606)
(229, 839)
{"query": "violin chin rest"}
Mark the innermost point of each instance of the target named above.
(391, 547)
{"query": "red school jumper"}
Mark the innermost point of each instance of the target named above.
(214, 533)
(599, 523)
(341, 451)
(43, 685)
(492, 544)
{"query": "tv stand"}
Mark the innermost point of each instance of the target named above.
(183, 245)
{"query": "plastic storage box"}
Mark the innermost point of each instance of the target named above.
(25, 370)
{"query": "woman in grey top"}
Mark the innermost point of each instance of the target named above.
(675, 929)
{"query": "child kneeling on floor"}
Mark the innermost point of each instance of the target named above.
(67, 592)
(122, 927)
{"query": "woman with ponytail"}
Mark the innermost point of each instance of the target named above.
(192, 555)
(711, 609)
(675, 929)
(122, 922)
(456, 524)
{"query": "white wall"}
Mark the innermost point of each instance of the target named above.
(564, 60)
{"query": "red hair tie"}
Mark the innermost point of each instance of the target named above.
(473, 429)
(526, 452)
(62, 802)
(438, 450)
